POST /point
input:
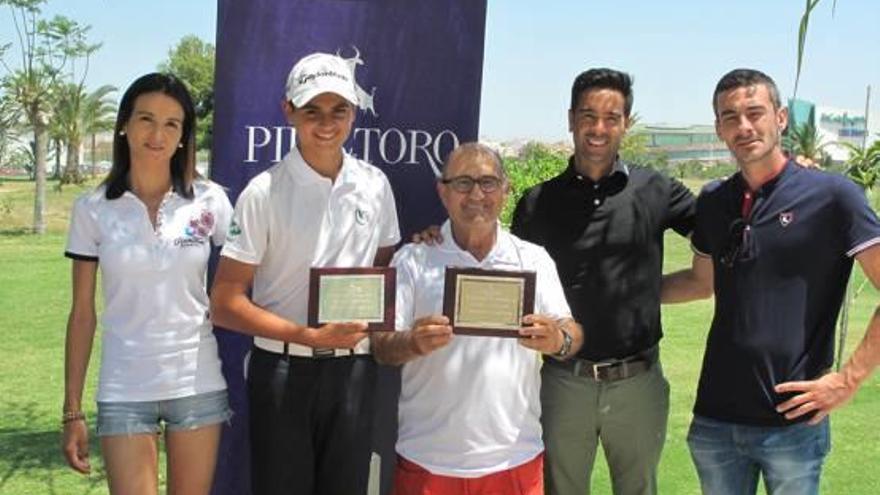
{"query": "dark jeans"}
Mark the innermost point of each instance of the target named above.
(310, 423)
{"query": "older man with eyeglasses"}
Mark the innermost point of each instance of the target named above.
(777, 242)
(469, 418)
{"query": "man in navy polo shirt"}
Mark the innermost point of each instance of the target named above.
(779, 241)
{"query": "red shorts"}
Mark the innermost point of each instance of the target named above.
(526, 479)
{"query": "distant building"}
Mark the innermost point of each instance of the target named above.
(506, 148)
(516, 147)
(841, 126)
(685, 143)
(800, 112)
(834, 126)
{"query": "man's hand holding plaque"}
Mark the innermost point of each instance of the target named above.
(429, 334)
(543, 334)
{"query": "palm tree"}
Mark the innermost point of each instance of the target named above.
(46, 47)
(55, 139)
(863, 165)
(802, 37)
(100, 116)
(79, 114)
(805, 141)
(30, 90)
(10, 121)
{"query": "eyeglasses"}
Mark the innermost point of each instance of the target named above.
(465, 183)
(739, 243)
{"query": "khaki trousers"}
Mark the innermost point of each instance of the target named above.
(627, 416)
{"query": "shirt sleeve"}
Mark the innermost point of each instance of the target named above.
(681, 212)
(83, 235)
(549, 295)
(859, 224)
(519, 224)
(405, 297)
(700, 243)
(222, 210)
(248, 233)
(390, 229)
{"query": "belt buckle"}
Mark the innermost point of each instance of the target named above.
(323, 353)
(599, 366)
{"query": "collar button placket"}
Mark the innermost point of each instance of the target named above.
(160, 215)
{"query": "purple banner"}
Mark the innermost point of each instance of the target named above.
(418, 66)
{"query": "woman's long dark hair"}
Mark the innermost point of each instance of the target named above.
(183, 162)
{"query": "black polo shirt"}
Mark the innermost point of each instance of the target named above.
(780, 278)
(606, 238)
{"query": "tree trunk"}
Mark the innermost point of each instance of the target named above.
(94, 157)
(41, 139)
(56, 172)
(71, 167)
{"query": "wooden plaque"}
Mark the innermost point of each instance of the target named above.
(353, 294)
(488, 302)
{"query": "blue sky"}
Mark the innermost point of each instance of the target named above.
(676, 50)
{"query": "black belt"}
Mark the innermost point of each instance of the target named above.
(610, 370)
(309, 353)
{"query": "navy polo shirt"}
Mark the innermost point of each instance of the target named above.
(606, 238)
(780, 278)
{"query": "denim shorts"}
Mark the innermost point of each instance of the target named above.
(184, 413)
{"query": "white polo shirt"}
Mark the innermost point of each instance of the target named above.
(290, 218)
(157, 341)
(471, 408)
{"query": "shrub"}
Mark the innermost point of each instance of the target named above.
(535, 164)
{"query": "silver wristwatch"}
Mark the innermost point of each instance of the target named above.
(566, 345)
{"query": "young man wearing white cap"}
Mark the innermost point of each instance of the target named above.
(310, 410)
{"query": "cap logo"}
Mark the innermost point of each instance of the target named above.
(324, 73)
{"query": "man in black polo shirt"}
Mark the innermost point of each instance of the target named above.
(602, 221)
(779, 241)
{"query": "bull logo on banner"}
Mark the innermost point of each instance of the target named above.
(392, 146)
(365, 100)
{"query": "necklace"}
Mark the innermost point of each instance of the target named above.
(152, 203)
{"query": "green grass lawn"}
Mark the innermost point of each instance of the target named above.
(34, 300)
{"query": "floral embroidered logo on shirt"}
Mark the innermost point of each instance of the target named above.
(197, 230)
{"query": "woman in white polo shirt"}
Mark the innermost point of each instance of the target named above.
(149, 227)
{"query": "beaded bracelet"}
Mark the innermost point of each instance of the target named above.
(71, 416)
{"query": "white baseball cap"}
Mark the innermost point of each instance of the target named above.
(320, 73)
